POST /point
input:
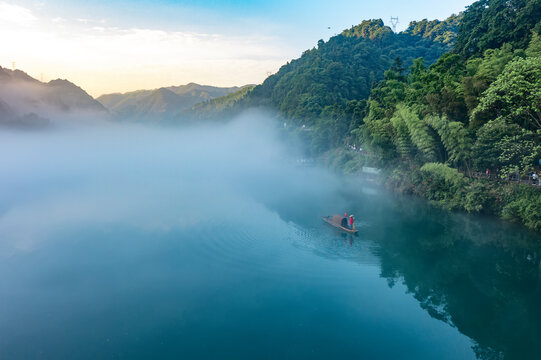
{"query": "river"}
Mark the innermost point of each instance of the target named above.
(140, 244)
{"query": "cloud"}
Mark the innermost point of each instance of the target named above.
(15, 15)
(102, 58)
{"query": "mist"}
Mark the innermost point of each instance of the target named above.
(150, 178)
(115, 231)
(26, 103)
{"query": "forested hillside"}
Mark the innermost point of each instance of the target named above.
(333, 79)
(477, 110)
(451, 109)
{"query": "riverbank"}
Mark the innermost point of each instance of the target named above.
(450, 189)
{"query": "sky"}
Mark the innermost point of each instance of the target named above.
(119, 46)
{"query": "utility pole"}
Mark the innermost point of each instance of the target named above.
(394, 22)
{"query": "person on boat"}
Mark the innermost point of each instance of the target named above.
(352, 222)
(344, 222)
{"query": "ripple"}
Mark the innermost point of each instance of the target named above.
(279, 251)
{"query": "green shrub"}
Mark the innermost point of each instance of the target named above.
(524, 205)
(483, 196)
(476, 198)
(346, 161)
(531, 217)
(443, 185)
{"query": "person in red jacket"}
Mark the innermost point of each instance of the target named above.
(352, 222)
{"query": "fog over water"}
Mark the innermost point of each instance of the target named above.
(121, 241)
(142, 176)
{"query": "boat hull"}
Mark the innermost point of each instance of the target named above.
(329, 220)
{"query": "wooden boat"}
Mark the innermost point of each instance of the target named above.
(335, 221)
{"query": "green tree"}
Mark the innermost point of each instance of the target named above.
(419, 132)
(485, 150)
(534, 48)
(444, 93)
(515, 95)
(488, 24)
(436, 30)
(519, 153)
(417, 79)
(356, 110)
(402, 139)
(455, 138)
(369, 29)
(483, 71)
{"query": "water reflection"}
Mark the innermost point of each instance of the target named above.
(480, 275)
(348, 238)
(477, 274)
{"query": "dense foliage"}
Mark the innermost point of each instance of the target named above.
(440, 31)
(488, 24)
(328, 84)
(475, 110)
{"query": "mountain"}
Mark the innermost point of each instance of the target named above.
(338, 75)
(221, 107)
(8, 118)
(344, 68)
(160, 104)
(6, 114)
(25, 100)
(69, 97)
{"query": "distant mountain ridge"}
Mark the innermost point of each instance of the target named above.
(27, 101)
(163, 103)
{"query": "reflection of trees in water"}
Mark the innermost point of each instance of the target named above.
(480, 276)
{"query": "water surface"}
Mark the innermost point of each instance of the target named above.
(203, 244)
